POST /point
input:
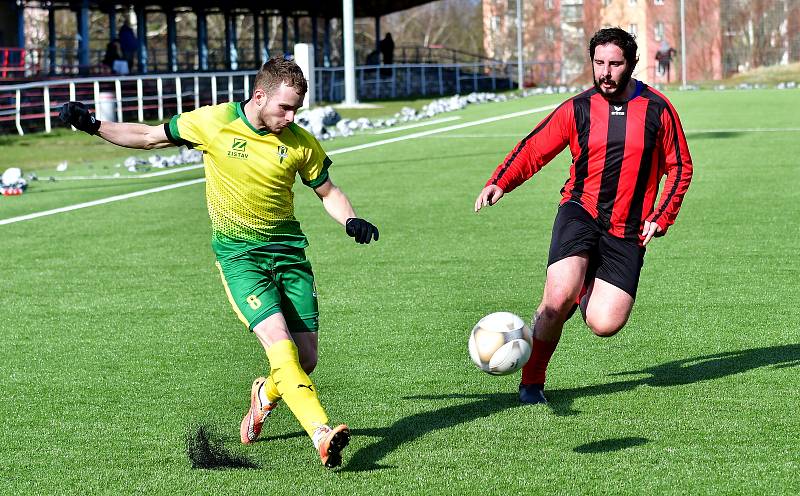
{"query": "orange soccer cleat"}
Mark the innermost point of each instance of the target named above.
(332, 442)
(254, 418)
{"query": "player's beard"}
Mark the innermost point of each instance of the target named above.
(620, 87)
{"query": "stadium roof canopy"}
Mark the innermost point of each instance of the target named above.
(322, 8)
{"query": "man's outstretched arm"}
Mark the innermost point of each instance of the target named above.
(339, 207)
(129, 135)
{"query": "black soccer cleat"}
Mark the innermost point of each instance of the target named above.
(532, 394)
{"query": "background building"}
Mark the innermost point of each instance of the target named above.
(723, 36)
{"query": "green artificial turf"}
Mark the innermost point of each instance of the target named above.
(118, 338)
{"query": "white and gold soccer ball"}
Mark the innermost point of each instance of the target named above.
(500, 343)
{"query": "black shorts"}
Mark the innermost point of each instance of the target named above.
(615, 260)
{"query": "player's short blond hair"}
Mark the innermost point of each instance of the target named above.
(278, 70)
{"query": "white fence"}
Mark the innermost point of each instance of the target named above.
(120, 98)
(34, 106)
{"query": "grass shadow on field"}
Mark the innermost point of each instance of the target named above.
(713, 134)
(675, 373)
(608, 445)
(681, 372)
(414, 426)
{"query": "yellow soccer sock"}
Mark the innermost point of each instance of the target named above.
(294, 386)
(271, 390)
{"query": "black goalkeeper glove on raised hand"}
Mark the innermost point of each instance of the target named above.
(361, 230)
(77, 114)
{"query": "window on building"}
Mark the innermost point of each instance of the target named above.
(549, 4)
(631, 2)
(549, 33)
(658, 2)
(495, 23)
(658, 31)
(633, 29)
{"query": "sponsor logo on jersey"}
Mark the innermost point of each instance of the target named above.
(618, 110)
(238, 149)
(283, 152)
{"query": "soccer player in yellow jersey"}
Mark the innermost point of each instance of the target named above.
(252, 153)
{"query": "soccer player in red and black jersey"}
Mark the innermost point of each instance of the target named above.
(624, 137)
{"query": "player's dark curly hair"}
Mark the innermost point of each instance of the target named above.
(619, 37)
(278, 70)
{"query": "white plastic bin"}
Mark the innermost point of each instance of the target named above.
(106, 107)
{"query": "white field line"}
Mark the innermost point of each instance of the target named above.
(419, 124)
(334, 152)
(518, 136)
(101, 201)
(138, 176)
(744, 130)
(687, 131)
(445, 129)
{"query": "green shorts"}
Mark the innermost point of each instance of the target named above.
(271, 279)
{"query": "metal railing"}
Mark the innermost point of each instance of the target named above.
(404, 80)
(33, 106)
(415, 54)
(37, 61)
(122, 98)
(12, 62)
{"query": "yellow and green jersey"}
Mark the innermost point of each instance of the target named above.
(249, 175)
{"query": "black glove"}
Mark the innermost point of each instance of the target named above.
(77, 114)
(360, 229)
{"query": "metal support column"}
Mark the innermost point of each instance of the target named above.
(256, 39)
(285, 32)
(51, 39)
(172, 43)
(226, 19)
(234, 44)
(683, 44)
(326, 44)
(315, 38)
(520, 67)
(83, 37)
(378, 33)
(112, 23)
(20, 24)
(202, 40)
(350, 97)
(231, 55)
(141, 33)
(265, 48)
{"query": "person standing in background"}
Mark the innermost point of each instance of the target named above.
(129, 43)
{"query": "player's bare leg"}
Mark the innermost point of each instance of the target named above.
(562, 286)
(564, 281)
(307, 345)
(606, 308)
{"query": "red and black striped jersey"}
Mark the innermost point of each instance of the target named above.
(620, 151)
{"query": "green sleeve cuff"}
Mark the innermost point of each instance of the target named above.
(174, 135)
(320, 180)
